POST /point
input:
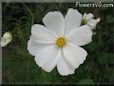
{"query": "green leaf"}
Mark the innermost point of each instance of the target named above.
(86, 82)
(105, 58)
(109, 19)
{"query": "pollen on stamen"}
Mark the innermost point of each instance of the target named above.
(60, 42)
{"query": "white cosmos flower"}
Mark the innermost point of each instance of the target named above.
(57, 44)
(6, 39)
(89, 19)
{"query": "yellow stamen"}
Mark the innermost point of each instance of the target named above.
(60, 42)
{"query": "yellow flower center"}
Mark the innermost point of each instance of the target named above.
(60, 42)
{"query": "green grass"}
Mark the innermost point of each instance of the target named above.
(18, 65)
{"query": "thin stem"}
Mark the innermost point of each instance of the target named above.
(30, 12)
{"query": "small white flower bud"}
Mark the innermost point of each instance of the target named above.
(6, 39)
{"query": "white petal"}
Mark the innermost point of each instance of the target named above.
(41, 34)
(84, 16)
(72, 20)
(89, 16)
(80, 36)
(74, 55)
(55, 22)
(93, 22)
(98, 19)
(63, 67)
(48, 58)
(34, 48)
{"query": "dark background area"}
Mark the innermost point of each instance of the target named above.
(19, 67)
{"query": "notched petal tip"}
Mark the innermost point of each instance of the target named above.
(71, 10)
(67, 74)
(40, 65)
(51, 14)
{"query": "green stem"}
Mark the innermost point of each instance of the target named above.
(30, 12)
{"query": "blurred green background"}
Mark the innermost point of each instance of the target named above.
(19, 66)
